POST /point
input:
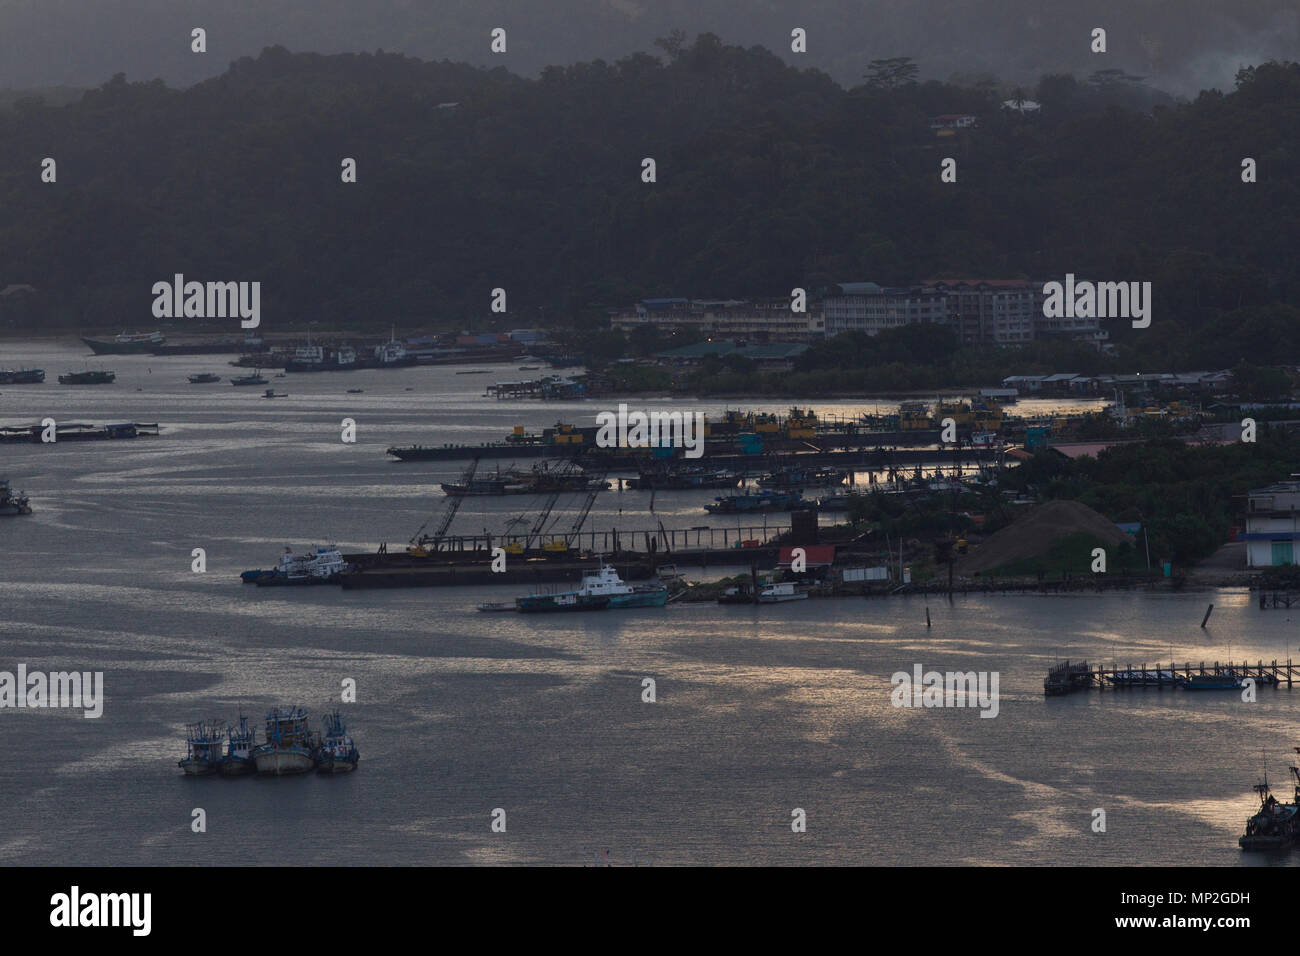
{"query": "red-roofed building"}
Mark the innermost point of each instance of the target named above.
(815, 555)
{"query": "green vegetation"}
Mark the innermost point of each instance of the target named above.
(1188, 497)
(769, 177)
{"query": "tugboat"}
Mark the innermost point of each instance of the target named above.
(318, 566)
(10, 503)
(604, 589)
(290, 745)
(338, 754)
(272, 393)
(203, 748)
(203, 378)
(87, 378)
(1275, 826)
(240, 744)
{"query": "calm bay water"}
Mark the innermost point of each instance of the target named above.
(759, 711)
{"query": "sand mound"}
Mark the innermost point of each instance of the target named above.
(1033, 534)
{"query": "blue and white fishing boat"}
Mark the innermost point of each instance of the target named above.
(337, 754)
(290, 745)
(240, 744)
(203, 742)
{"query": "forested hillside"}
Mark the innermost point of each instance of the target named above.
(768, 178)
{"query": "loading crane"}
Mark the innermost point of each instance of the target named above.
(420, 542)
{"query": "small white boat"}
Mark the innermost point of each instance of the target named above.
(780, 593)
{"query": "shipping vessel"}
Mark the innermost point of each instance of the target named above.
(77, 431)
(318, 358)
(137, 343)
(87, 378)
(317, 566)
(604, 589)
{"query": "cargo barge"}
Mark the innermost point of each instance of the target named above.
(71, 431)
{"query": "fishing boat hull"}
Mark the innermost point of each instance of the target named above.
(781, 598)
(196, 768)
(282, 761)
(332, 764)
(231, 766)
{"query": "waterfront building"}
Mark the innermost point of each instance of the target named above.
(872, 308)
(770, 319)
(1272, 525)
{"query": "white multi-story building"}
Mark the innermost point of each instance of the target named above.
(871, 308)
(725, 318)
(1273, 525)
(990, 311)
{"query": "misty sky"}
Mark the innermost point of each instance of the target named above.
(1180, 45)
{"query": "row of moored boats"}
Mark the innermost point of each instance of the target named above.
(215, 747)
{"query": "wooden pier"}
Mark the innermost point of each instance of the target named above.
(1070, 676)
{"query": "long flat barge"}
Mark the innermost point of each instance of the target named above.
(71, 431)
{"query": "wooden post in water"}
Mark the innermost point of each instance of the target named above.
(1208, 611)
(927, 618)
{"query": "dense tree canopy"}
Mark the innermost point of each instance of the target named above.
(768, 178)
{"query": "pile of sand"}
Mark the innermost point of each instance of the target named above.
(1033, 534)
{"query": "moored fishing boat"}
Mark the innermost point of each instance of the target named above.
(254, 379)
(87, 378)
(290, 745)
(762, 501)
(12, 503)
(203, 742)
(337, 753)
(203, 378)
(1211, 682)
(780, 593)
(240, 744)
(23, 376)
(1275, 825)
